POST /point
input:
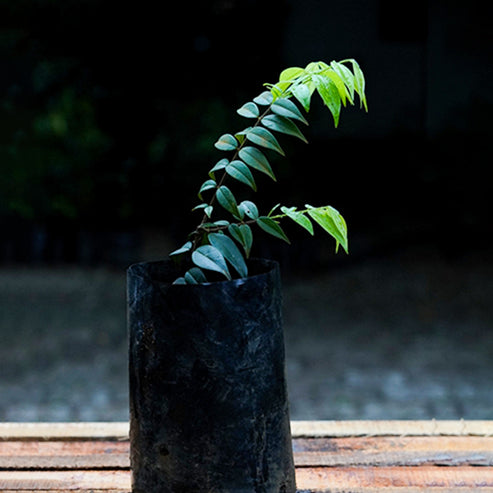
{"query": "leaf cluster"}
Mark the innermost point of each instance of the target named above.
(224, 245)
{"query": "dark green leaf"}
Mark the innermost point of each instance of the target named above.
(285, 107)
(207, 185)
(240, 171)
(283, 125)
(242, 233)
(249, 209)
(264, 99)
(195, 276)
(210, 258)
(272, 227)
(249, 110)
(180, 280)
(299, 218)
(226, 142)
(264, 138)
(230, 252)
(226, 198)
(221, 164)
(256, 159)
(185, 248)
(330, 220)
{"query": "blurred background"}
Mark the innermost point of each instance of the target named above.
(108, 117)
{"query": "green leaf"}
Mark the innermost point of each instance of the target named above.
(221, 164)
(195, 276)
(207, 185)
(330, 220)
(285, 107)
(256, 159)
(230, 252)
(264, 138)
(248, 110)
(283, 125)
(299, 218)
(226, 198)
(329, 94)
(240, 171)
(339, 83)
(180, 280)
(184, 249)
(226, 142)
(303, 94)
(249, 209)
(346, 75)
(210, 258)
(264, 99)
(242, 233)
(291, 73)
(272, 227)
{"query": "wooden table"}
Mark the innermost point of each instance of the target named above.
(330, 456)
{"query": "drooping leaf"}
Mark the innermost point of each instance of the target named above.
(272, 227)
(299, 218)
(332, 222)
(242, 233)
(195, 276)
(346, 75)
(240, 171)
(248, 110)
(210, 258)
(226, 198)
(184, 249)
(264, 99)
(207, 185)
(283, 125)
(226, 142)
(303, 94)
(291, 73)
(221, 164)
(257, 160)
(230, 252)
(285, 107)
(264, 138)
(249, 209)
(339, 83)
(329, 94)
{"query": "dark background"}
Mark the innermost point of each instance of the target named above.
(109, 111)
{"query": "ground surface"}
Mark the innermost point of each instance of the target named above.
(406, 336)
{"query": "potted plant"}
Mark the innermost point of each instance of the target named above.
(208, 401)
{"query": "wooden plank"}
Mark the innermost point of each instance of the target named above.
(119, 430)
(394, 451)
(382, 451)
(428, 478)
(356, 480)
(391, 428)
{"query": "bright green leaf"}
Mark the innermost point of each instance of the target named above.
(226, 198)
(329, 94)
(249, 110)
(272, 227)
(299, 218)
(283, 125)
(346, 75)
(339, 83)
(230, 252)
(257, 160)
(303, 94)
(226, 142)
(285, 107)
(264, 138)
(291, 73)
(210, 258)
(242, 233)
(330, 220)
(240, 171)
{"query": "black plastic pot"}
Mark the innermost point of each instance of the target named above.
(208, 399)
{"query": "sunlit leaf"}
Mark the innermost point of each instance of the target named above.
(332, 222)
(303, 94)
(210, 258)
(230, 252)
(299, 218)
(329, 94)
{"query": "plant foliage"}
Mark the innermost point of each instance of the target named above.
(224, 246)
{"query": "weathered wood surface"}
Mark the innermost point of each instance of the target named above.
(406, 457)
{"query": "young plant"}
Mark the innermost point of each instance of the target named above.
(221, 244)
